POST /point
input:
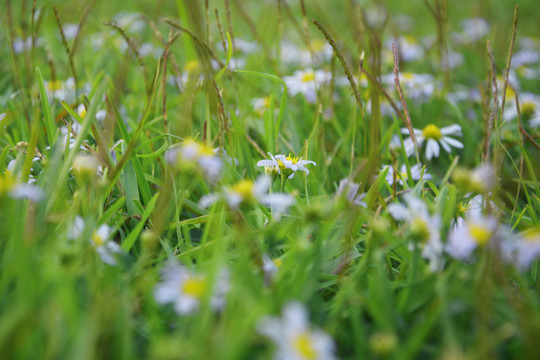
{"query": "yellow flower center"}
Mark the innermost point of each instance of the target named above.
(194, 286)
(532, 235)
(278, 262)
(410, 39)
(192, 66)
(479, 233)
(462, 209)
(304, 346)
(245, 189)
(432, 132)
(420, 229)
(54, 85)
(82, 112)
(97, 239)
(407, 75)
(528, 108)
(308, 76)
(7, 182)
(317, 45)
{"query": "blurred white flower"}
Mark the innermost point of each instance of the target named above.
(349, 190)
(433, 136)
(195, 156)
(424, 228)
(473, 29)
(529, 109)
(293, 336)
(107, 249)
(11, 185)
(247, 191)
(527, 249)
(186, 289)
(307, 82)
(415, 86)
(288, 165)
(465, 236)
(417, 173)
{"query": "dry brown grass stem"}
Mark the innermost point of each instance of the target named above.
(494, 106)
(220, 29)
(222, 115)
(136, 53)
(509, 58)
(81, 23)
(339, 55)
(407, 118)
(68, 52)
(197, 40)
(229, 22)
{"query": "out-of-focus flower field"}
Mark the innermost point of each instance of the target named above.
(277, 179)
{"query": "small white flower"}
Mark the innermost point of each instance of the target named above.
(307, 82)
(409, 48)
(527, 249)
(469, 234)
(481, 180)
(415, 86)
(293, 337)
(433, 136)
(349, 190)
(417, 173)
(473, 29)
(10, 185)
(247, 191)
(423, 226)
(529, 108)
(195, 156)
(286, 164)
(186, 289)
(107, 249)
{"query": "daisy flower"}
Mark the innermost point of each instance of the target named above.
(529, 108)
(12, 186)
(107, 249)
(432, 135)
(307, 82)
(527, 249)
(473, 29)
(186, 289)
(467, 235)
(250, 192)
(194, 155)
(349, 190)
(417, 173)
(293, 337)
(416, 86)
(423, 227)
(481, 179)
(288, 165)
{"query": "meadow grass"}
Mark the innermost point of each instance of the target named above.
(269, 179)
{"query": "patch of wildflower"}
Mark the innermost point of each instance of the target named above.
(194, 156)
(107, 249)
(433, 136)
(423, 227)
(417, 173)
(248, 192)
(293, 337)
(186, 290)
(286, 166)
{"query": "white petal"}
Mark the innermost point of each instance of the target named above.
(208, 200)
(454, 129)
(399, 211)
(453, 142)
